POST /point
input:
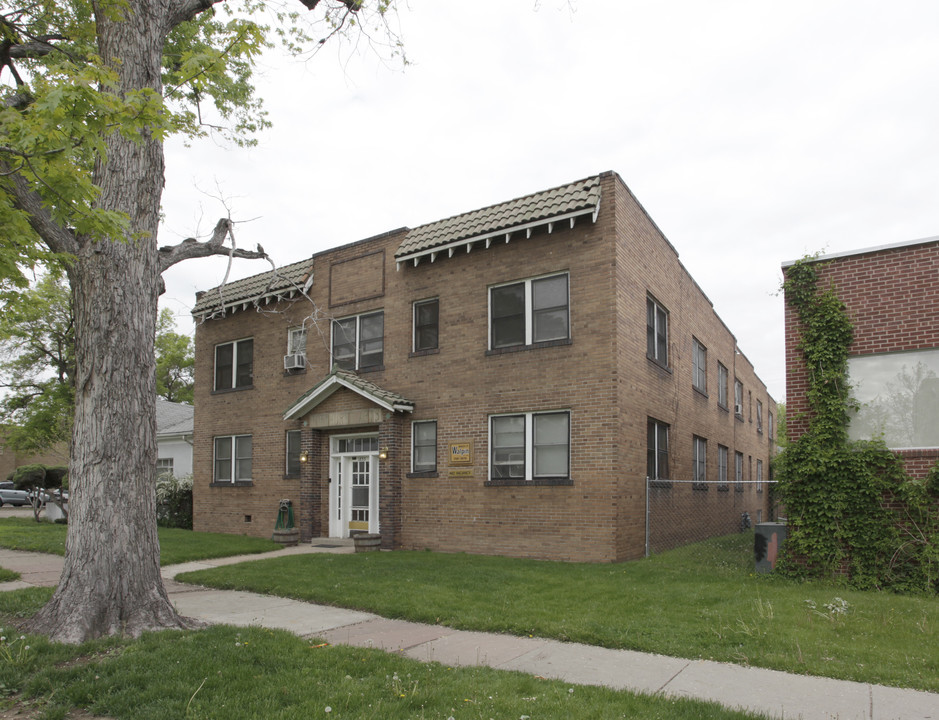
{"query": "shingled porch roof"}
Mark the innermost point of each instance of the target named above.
(339, 379)
(502, 221)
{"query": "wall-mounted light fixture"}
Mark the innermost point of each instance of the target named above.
(303, 457)
(383, 453)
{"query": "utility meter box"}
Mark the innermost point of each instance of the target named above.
(768, 539)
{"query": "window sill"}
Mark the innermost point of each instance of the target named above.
(296, 371)
(425, 474)
(240, 483)
(291, 476)
(232, 390)
(537, 482)
(658, 363)
(699, 391)
(373, 368)
(422, 353)
(723, 488)
(699, 486)
(660, 483)
(533, 346)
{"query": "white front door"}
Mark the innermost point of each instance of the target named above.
(353, 487)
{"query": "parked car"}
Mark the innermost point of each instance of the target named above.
(9, 494)
(47, 496)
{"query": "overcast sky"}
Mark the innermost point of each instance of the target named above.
(752, 132)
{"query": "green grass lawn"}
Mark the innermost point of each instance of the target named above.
(176, 546)
(8, 575)
(233, 674)
(703, 601)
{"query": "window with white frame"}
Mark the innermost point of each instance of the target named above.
(234, 364)
(656, 331)
(232, 459)
(529, 446)
(771, 421)
(296, 341)
(738, 471)
(759, 476)
(426, 324)
(657, 450)
(699, 364)
(700, 452)
(292, 453)
(722, 455)
(424, 446)
(164, 466)
(738, 398)
(359, 341)
(530, 311)
(722, 385)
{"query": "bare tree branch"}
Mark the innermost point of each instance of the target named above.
(192, 248)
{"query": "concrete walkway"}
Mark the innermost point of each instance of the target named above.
(774, 693)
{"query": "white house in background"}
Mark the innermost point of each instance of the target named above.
(174, 438)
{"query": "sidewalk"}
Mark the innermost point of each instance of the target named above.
(771, 692)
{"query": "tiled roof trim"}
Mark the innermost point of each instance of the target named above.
(284, 281)
(346, 378)
(566, 201)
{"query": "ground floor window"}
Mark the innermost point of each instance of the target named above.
(700, 463)
(292, 468)
(657, 449)
(232, 458)
(164, 466)
(529, 446)
(424, 446)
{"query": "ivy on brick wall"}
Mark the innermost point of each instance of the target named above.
(835, 489)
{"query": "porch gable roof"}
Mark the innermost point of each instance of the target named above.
(339, 378)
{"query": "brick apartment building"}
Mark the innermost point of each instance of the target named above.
(498, 382)
(892, 297)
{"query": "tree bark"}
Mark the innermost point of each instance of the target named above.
(111, 581)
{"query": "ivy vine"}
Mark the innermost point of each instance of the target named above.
(834, 489)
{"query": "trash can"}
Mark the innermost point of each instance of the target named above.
(768, 539)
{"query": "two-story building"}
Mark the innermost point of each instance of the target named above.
(500, 382)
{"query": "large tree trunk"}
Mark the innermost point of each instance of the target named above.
(111, 581)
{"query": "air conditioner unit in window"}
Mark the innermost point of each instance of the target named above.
(738, 410)
(294, 362)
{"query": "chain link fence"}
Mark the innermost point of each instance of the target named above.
(681, 512)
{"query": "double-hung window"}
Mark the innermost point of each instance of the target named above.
(530, 446)
(164, 466)
(738, 398)
(232, 459)
(657, 449)
(292, 465)
(426, 324)
(759, 476)
(738, 471)
(424, 446)
(759, 417)
(722, 467)
(530, 311)
(722, 385)
(359, 341)
(296, 341)
(700, 463)
(656, 332)
(699, 365)
(234, 364)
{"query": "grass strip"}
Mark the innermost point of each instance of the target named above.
(228, 673)
(702, 601)
(176, 546)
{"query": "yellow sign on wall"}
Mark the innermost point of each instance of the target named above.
(461, 453)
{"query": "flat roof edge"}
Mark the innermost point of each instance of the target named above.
(867, 251)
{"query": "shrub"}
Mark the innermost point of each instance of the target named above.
(26, 477)
(174, 501)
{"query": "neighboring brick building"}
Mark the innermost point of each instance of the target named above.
(504, 381)
(892, 297)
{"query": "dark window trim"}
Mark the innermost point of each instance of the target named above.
(422, 353)
(423, 474)
(533, 346)
(237, 483)
(537, 482)
(231, 390)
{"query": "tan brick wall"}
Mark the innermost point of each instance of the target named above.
(602, 377)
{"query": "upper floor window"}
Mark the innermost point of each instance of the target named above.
(424, 446)
(772, 422)
(232, 459)
(530, 311)
(234, 364)
(657, 450)
(296, 341)
(759, 416)
(426, 324)
(292, 465)
(656, 332)
(738, 398)
(722, 383)
(699, 364)
(359, 341)
(529, 446)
